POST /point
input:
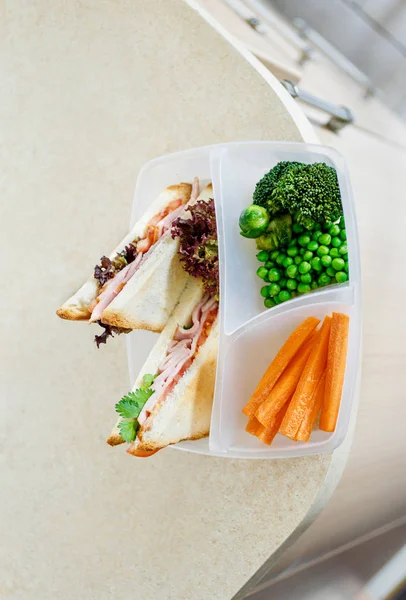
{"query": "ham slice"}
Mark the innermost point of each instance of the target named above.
(195, 190)
(114, 287)
(159, 224)
(166, 223)
(180, 353)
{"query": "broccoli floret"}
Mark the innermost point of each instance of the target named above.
(264, 188)
(278, 233)
(310, 193)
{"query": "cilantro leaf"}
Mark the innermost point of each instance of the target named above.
(131, 405)
(128, 429)
(147, 380)
(127, 409)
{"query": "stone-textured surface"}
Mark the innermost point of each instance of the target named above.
(90, 90)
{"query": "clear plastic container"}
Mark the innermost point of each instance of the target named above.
(250, 334)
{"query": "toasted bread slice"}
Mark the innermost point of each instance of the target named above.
(185, 413)
(76, 307)
(192, 294)
(150, 296)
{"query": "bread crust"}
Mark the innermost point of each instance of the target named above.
(73, 314)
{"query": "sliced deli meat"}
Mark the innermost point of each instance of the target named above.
(181, 352)
(114, 287)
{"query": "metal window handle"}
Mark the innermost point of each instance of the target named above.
(306, 52)
(340, 116)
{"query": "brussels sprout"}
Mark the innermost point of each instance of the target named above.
(278, 233)
(253, 221)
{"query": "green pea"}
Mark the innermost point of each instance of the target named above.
(314, 285)
(330, 272)
(308, 255)
(325, 239)
(298, 260)
(316, 235)
(280, 258)
(282, 282)
(274, 290)
(276, 299)
(293, 242)
(303, 288)
(334, 230)
(263, 256)
(269, 265)
(338, 264)
(322, 251)
(269, 302)
(291, 284)
(297, 228)
(316, 263)
(304, 240)
(262, 272)
(336, 242)
(291, 271)
(326, 260)
(345, 256)
(293, 294)
(287, 262)
(312, 246)
(341, 277)
(284, 296)
(294, 251)
(334, 253)
(343, 249)
(274, 275)
(306, 278)
(342, 222)
(346, 267)
(274, 254)
(343, 235)
(304, 267)
(302, 251)
(265, 291)
(324, 279)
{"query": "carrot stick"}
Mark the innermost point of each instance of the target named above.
(267, 434)
(279, 363)
(311, 375)
(286, 385)
(336, 360)
(306, 428)
(253, 426)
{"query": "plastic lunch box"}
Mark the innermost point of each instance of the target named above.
(250, 334)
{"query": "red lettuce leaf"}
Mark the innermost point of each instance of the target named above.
(108, 331)
(198, 244)
(108, 268)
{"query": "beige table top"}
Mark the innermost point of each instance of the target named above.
(91, 91)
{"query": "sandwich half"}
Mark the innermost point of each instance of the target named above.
(139, 284)
(172, 397)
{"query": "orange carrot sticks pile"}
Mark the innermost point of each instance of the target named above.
(305, 377)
